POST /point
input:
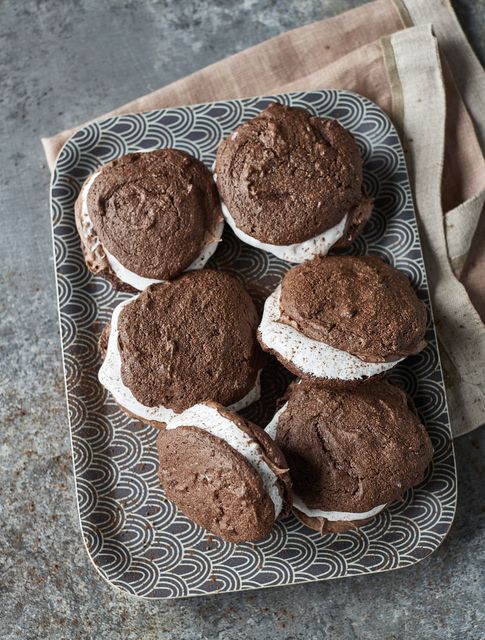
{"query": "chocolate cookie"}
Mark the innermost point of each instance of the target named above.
(183, 342)
(291, 183)
(223, 472)
(147, 217)
(343, 318)
(351, 452)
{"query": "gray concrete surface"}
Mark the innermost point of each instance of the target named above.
(62, 62)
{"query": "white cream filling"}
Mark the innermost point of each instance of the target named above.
(299, 252)
(312, 357)
(333, 516)
(210, 420)
(87, 225)
(272, 427)
(252, 396)
(124, 274)
(110, 377)
(127, 276)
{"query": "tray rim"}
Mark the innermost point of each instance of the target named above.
(105, 119)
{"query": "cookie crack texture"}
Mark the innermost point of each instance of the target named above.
(152, 211)
(359, 305)
(190, 340)
(288, 176)
(213, 484)
(352, 449)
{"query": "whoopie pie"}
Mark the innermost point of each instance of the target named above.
(343, 319)
(351, 451)
(291, 183)
(223, 472)
(148, 217)
(182, 342)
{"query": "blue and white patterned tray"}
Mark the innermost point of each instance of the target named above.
(135, 537)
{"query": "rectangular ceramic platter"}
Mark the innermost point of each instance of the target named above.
(135, 537)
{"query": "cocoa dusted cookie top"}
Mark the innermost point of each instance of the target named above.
(360, 305)
(350, 450)
(154, 212)
(190, 340)
(224, 473)
(287, 176)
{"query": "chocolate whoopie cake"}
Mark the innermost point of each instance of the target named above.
(147, 217)
(291, 183)
(351, 452)
(223, 472)
(183, 342)
(343, 319)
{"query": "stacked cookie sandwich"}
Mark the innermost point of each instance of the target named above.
(185, 353)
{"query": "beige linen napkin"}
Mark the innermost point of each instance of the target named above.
(412, 58)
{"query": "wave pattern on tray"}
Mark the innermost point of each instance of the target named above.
(136, 538)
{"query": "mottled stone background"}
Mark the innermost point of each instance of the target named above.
(62, 62)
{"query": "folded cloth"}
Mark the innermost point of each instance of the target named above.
(412, 58)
